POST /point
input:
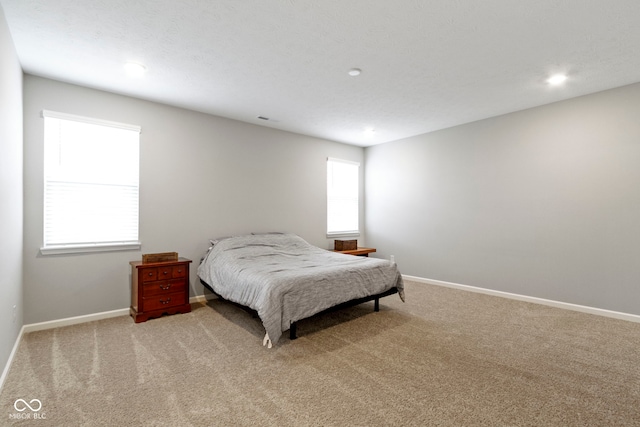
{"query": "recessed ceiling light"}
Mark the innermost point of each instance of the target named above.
(135, 69)
(355, 72)
(557, 79)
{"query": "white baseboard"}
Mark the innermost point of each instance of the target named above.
(558, 304)
(90, 317)
(199, 298)
(32, 327)
(5, 372)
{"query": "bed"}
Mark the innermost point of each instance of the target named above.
(285, 279)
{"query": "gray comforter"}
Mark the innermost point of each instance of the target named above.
(286, 279)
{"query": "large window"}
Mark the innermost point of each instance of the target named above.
(91, 175)
(342, 197)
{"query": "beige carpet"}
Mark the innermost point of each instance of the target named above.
(445, 358)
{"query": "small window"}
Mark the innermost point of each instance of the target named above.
(91, 176)
(342, 197)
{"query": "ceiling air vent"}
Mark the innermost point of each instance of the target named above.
(267, 119)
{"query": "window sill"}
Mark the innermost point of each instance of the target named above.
(89, 248)
(338, 235)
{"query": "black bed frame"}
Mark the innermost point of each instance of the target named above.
(293, 329)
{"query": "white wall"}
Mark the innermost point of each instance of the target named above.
(201, 177)
(544, 202)
(10, 193)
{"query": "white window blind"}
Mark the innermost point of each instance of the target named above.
(342, 197)
(91, 176)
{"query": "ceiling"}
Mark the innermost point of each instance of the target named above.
(426, 64)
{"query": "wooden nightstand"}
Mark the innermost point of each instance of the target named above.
(159, 288)
(359, 251)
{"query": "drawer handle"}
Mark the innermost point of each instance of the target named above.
(165, 272)
(150, 274)
(166, 301)
(165, 287)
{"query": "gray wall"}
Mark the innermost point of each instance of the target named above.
(10, 193)
(544, 202)
(201, 177)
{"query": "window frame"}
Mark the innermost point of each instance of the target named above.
(87, 247)
(344, 233)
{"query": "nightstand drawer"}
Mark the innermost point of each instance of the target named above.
(160, 302)
(165, 273)
(149, 274)
(162, 287)
(179, 271)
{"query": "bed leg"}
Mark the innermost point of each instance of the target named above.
(376, 304)
(292, 331)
